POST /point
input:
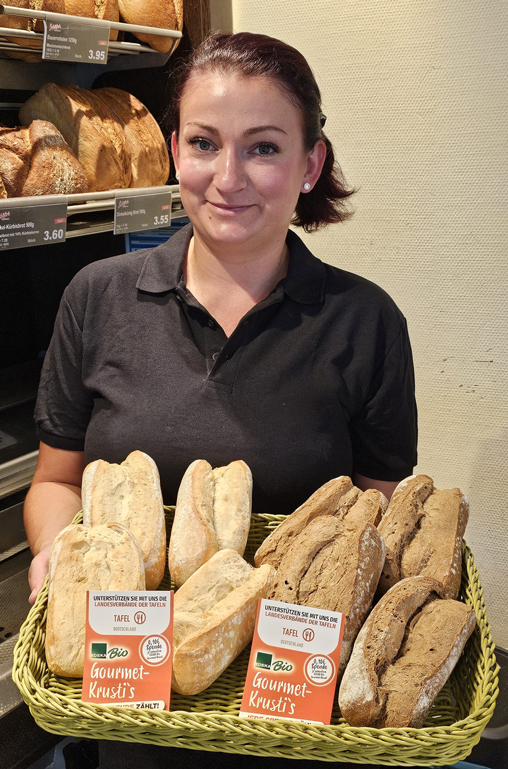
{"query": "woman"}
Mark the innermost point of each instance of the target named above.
(231, 340)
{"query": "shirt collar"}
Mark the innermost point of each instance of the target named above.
(162, 268)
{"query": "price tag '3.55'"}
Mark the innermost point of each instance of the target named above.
(142, 211)
(72, 41)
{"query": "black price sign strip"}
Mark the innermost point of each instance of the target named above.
(32, 225)
(142, 212)
(72, 41)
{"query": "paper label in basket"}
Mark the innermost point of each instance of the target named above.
(128, 648)
(293, 663)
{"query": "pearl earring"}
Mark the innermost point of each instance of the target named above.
(177, 176)
(306, 186)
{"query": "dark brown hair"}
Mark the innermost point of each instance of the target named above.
(253, 55)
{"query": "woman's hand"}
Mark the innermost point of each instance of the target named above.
(37, 573)
(51, 504)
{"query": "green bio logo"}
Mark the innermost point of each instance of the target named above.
(263, 660)
(99, 651)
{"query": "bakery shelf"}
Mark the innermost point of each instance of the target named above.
(24, 75)
(92, 213)
(209, 721)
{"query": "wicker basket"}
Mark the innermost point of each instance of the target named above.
(209, 721)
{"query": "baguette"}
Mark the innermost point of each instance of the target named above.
(332, 566)
(423, 530)
(337, 498)
(403, 655)
(130, 494)
(103, 558)
(214, 617)
(213, 511)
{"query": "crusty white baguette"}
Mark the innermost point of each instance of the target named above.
(130, 494)
(332, 565)
(214, 617)
(423, 530)
(82, 558)
(213, 511)
(403, 655)
(338, 498)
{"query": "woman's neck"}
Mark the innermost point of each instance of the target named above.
(229, 285)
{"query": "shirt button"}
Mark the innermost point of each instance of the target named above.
(215, 355)
(211, 323)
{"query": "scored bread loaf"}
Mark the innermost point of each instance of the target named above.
(423, 530)
(166, 14)
(130, 494)
(214, 617)
(213, 511)
(101, 558)
(145, 143)
(38, 161)
(91, 129)
(403, 655)
(333, 566)
(338, 498)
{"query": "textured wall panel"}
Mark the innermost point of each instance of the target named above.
(417, 103)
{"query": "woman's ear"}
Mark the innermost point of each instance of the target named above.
(315, 162)
(174, 151)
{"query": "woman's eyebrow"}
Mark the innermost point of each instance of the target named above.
(248, 132)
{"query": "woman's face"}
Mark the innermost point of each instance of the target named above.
(241, 159)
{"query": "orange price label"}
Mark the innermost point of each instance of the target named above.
(128, 649)
(293, 663)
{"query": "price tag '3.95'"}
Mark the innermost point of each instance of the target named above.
(72, 41)
(142, 212)
(22, 226)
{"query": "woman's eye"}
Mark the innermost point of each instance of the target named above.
(266, 149)
(201, 144)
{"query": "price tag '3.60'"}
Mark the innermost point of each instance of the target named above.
(22, 226)
(72, 41)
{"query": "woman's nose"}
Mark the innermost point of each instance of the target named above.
(230, 174)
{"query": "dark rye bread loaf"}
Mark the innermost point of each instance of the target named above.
(338, 498)
(423, 530)
(403, 655)
(335, 567)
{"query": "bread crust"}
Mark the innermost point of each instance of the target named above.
(106, 557)
(333, 566)
(90, 128)
(153, 13)
(403, 655)
(149, 158)
(130, 494)
(423, 530)
(213, 512)
(215, 613)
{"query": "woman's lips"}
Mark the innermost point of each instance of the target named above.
(226, 209)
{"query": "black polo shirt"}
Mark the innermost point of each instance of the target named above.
(315, 382)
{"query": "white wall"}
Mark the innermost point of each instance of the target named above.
(416, 95)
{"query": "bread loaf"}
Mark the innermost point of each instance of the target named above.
(38, 161)
(335, 567)
(423, 530)
(148, 153)
(91, 129)
(129, 494)
(98, 9)
(214, 617)
(338, 498)
(32, 25)
(103, 558)
(403, 655)
(213, 510)
(166, 14)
